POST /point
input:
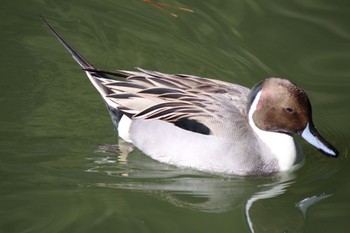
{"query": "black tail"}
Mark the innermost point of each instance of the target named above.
(84, 64)
(94, 76)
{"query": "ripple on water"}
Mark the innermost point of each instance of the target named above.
(332, 65)
(320, 17)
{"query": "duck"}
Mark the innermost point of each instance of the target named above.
(206, 124)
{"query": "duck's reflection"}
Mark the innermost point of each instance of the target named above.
(257, 197)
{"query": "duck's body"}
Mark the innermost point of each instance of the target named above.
(194, 122)
(207, 124)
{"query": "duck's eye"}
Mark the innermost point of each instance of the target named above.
(289, 110)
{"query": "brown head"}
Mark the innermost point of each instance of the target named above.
(285, 108)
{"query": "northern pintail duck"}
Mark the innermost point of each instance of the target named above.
(207, 124)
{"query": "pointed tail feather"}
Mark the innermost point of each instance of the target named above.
(96, 76)
(84, 64)
(93, 74)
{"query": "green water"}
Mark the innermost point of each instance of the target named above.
(60, 167)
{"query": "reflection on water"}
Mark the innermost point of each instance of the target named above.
(304, 204)
(165, 7)
(272, 190)
(199, 191)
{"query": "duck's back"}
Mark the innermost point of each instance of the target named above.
(192, 103)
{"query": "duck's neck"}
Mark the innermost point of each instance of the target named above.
(282, 146)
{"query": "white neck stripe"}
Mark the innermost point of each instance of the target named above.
(281, 145)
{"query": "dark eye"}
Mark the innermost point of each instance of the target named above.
(289, 110)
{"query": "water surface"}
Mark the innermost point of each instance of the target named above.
(61, 167)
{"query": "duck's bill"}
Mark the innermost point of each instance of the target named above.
(311, 135)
